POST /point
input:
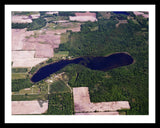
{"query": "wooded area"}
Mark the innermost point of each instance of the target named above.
(60, 104)
(18, 84)
(128, 83)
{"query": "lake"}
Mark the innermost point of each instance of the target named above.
(121, 12)
(95, 63)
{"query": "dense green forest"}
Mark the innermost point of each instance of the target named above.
(20, 25)
(69, 13)
(18, 84)
(36, 24)
(128, 83)
(60, 104)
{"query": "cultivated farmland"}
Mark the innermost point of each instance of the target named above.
(21, 19)
(25, 59)
(84, 17)
(98, 113)
(29, 107)
(82, 103)
(18, 38)
(32, 47)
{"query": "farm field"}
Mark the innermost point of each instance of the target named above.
(82, 103)
(21, 19)
(19, 97)
(64, 37)
(28, 107)
(58, 87)
(18, 38)
(61, 54)
(98, 113)
(77, 89)
(36, 46)
(63, 26)
(25, 59)
(56, 83)
(18, 75)
(83, 17)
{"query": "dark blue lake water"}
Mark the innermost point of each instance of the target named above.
(94, 63)
(121, 12)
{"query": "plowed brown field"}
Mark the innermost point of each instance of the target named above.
(82, 103)
(28, 107)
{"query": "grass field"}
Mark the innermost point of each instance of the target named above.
(19, 73)
(18, 76)
(26, 97)
(19, 70)
(32, 90)
(64, 37)
(59, 87)
(61, 54)
(58, 26)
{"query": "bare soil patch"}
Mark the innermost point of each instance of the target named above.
(21, 19)
(32, 47)
(18, 38)
(25, 59)
(29, 49)
(98, 113)
(84, 17)
(28, 107)
(144, 14)
(82, 103)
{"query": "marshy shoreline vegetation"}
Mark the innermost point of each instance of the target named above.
(101, 38)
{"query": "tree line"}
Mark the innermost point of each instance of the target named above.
(35, 25)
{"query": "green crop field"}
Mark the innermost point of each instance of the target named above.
(18, 76)
(64, 37)
(61, 54)
(26, 97)
(59, 86)
(19, 70)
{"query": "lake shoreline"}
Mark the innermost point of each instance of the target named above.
(102, 63)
